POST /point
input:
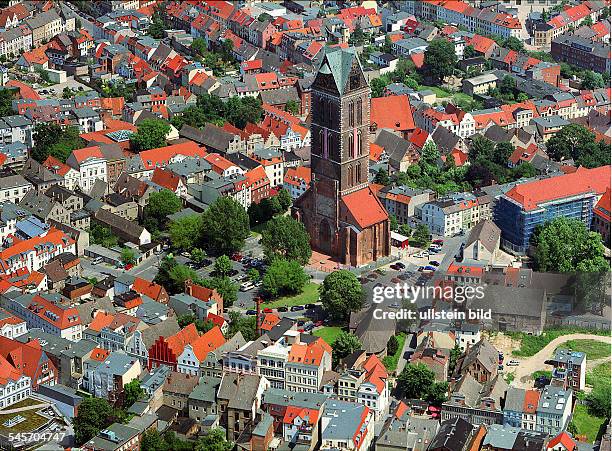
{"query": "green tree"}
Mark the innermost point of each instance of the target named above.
(440, 59)
(292, 107)
(246, 325)
(393, 222)
(132, 393)
(344, 345)
(514, 43)
(502, 153)
(177, 276)
(128, 256)
(382, 177)
(286, 238)
(577, 142)
(588, 21)
(158, 27)
(7, 96)
(223, 266)
(599, 400)
(225, 226)
(522, 97)
(284, 277)
(421, 236)
(469, 52)
(404, 229)
(430, 153)
(98, 234)
(185, 232)
(159, 206)
(214, 440)
(481, 149)
(240, 111)
(253, 275)
(152, 441)
(51, 139)
(225, 287)
(455, 353)
(94, 415)
(437, 393)
(566, 245)
(151, 134)
(392, 345)
(592, 80)
(341, 293)
(415, 381)
(198, 46)
(284, 198)
(198, 255)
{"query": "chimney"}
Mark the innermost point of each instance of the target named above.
(188, 283)
(258, 327)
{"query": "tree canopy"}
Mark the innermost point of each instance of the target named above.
(185, 233)
(284, 277)
(341, 293)
(287, 238)
(440, 58)
(577, 142)
(151, 134)
(566, 245)
(225, 226)
(94, 415)
(344, 345)
(159, 206)
(50, 139)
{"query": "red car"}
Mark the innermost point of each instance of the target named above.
(318, 323)
(236, 257)
(267, 310)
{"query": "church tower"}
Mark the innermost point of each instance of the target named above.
(342, 215)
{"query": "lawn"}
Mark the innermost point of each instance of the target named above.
(328, 333)
(309, 295)
(586, 423)
(390, 361)
(531, 344)
(539, 373)
(438, 91)
(23, 403)
(599, 375)
(594, 349)
(32, 422)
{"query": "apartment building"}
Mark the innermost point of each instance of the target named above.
(306, 365)
(459, 213)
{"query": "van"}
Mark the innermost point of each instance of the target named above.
(246, 286)
(96, 260)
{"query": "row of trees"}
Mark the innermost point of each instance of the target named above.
(210, 108)
(574, 141)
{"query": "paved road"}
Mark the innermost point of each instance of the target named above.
(528, 366)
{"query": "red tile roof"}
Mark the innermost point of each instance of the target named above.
(162, 155)
(375, 151)
(602, 209)
(563, 439)
(25, 91)
(269, 321)
(583, 181)
(295, 176)
(178, 341)
(56, 166)
(365, 208)
(166, 179)
(148, 288)
(530, 403)
(392, 112)
(25, 358)
(208, 342)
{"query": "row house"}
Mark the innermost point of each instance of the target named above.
(15, 41)
(193, 358)
(450, 117)
(273, 164)
(297, 181)
(13, 188)
(143, 164)
(48, 24)
(30, 360)
(107, 379)
(15, 129)
(11, 16)
(403, 201)
(346, 425)
(167, 350)
(11, 326)
(306, 364)
(520, 408)
(91, 164)
(14, 386)
(34, 253)
(447, 217)
(111, 331)
(46, 311)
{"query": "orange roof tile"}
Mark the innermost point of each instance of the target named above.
(208, 342)
(178, 341)
(584, 180)
(99, 354)
(365, 208)
(148, 288)
(392, 112)
(166, 179)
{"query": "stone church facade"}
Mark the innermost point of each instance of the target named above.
(344, 218)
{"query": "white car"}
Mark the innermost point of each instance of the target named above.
(246, 286)
(513, 363)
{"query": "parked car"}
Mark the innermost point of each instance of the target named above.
(251, 312)
(400, 265)
(186, 254)
(301, 322)
(297, 308)
(318, 323)
(421, 268)
(434, 263)
(513, 363)
(96, 260)
(246, 286)
(282, 309)
(396, 280)
(438, 242)
(310, 306)
(309, 326)
(429, 268)
(268, 310)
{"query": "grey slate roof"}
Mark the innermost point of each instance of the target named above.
(165, 328)
(239, 390)
(206, 389)
(487, 232)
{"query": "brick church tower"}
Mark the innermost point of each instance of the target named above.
(343, 216)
